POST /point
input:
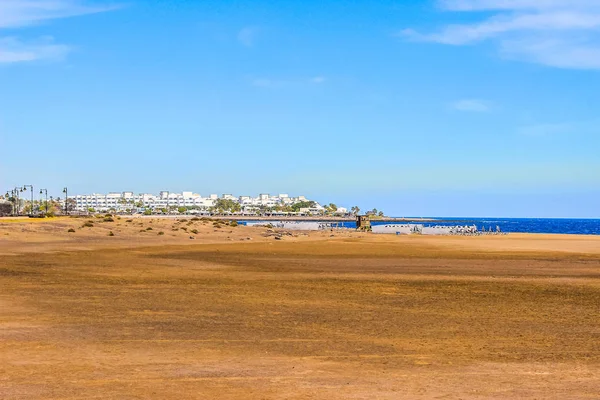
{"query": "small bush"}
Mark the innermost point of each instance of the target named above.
(183, 228)
(161, 233)
(195, 219)
(108, 219)
(194, 231)
(129, 220)
(149, 228)
(71, 230)
(88, 224)
(111, 233)
(107, 215)
(233, 223)
(142, 230)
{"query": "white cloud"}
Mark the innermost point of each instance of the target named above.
(546, 129)
(23, 13)
(247, 36)
(264, 82)
(278, 83)
(12, 50)
(485, 5)
(471, 105)
(559, 33)
(20, 13)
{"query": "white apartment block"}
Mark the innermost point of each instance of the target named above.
(128, 201)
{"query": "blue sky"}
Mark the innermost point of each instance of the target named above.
(422, 108)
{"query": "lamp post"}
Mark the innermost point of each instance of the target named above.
(9, 196)
(16, 196)
(46, 192)
(25, 189)
(66, 192)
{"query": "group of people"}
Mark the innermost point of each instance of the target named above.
(473, 231)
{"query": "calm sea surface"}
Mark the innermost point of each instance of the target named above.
(521, 225)
(531, 225)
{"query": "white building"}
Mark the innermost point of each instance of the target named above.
(195, 203)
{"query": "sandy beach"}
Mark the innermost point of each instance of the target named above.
(197, 309)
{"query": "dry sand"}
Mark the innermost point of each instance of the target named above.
(238, 314)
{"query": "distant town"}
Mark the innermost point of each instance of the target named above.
(193, 203)
(16, 202)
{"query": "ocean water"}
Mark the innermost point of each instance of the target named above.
(530, 225)
(511, 225)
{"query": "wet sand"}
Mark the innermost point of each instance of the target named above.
(249, 313)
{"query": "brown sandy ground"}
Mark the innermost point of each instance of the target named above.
(138, 315)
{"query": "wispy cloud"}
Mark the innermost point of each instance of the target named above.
(471, 105)
(264, 82)
(278, 83)
(16, 14)
(12, 50)
(247, 36)
(545, 129)
(559, 33)
(484, 5)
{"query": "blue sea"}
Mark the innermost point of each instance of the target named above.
(511, 225)
(529, 225)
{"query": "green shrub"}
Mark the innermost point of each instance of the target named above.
(147, 212)
(108, 219)
(233, 223)
(111, 233)
(149, 228)
(194, 231)
(161, 233)
(195, 219)
(107, 215)
(71, 230)
(88, 224)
